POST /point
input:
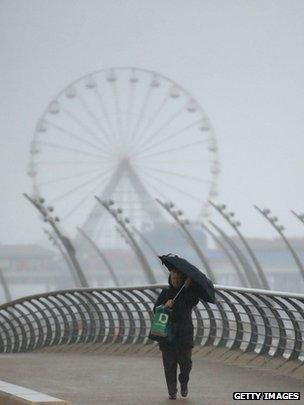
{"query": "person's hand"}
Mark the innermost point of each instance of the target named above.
(169, 304)
(188, 282)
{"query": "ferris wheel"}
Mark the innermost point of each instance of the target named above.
(128, 134)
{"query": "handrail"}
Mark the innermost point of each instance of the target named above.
(252, 320)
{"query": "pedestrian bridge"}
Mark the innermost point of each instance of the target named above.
(90, 346)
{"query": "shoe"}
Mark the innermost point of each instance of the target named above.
(172, 396)
(184, 390)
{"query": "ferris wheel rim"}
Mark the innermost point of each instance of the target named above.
(94, 72)
(134, 69)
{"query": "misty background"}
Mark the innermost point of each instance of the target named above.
(242, 60)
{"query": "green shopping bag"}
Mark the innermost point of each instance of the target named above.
(160, 327)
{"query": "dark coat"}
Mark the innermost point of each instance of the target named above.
(181, 319)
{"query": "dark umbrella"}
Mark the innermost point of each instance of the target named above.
(203, 285)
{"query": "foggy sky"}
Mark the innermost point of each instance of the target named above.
(242, 60)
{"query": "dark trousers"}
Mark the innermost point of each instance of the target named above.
(172, 358)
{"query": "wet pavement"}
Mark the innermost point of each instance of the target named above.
(135, 379)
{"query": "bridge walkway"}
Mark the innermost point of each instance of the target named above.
(136, 379)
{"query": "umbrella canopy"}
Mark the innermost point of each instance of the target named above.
(203, 285)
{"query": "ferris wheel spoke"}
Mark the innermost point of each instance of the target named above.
(166, 138)
(183, 192)
(161, 128)
(67, 148)
(154, 116)
(105, 113)
(83, 126)
(118, 112)
(128, 134)
(77, 175)
(83, 200)
(96, 121)
(158, 192)
(141, 113)
(130, 104)
(182, 147)
(79, 187)
(72, 135)
(180, 175)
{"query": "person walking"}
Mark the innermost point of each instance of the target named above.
(178, 351)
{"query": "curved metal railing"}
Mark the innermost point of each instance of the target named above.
(257, 321)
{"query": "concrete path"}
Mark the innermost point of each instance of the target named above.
(95, 379)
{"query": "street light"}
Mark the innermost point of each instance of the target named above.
(280, 229)
(235, 225)
(64, 255)
(6, 289)
(145, 240)
(100, 254)
(183, 226)
(147, 243)
(47, 217)
(248, 270)
(125, 238)
(227, 253)
(123, 222)
(299, 216)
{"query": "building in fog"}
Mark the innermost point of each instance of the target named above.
(26, 268)
(21, 259)
(276, 260)
(31, 269)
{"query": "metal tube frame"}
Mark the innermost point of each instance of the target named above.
(263, 279)
(142, 259)
(248, 270)
(286, 241)
(64, 255)
(6, 289)
(191, 240)
(227, 253)
(101, 255)
(63, 239)
(254, 321)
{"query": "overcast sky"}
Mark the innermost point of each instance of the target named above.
(242, 60)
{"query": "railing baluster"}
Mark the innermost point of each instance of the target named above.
(257, 321)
